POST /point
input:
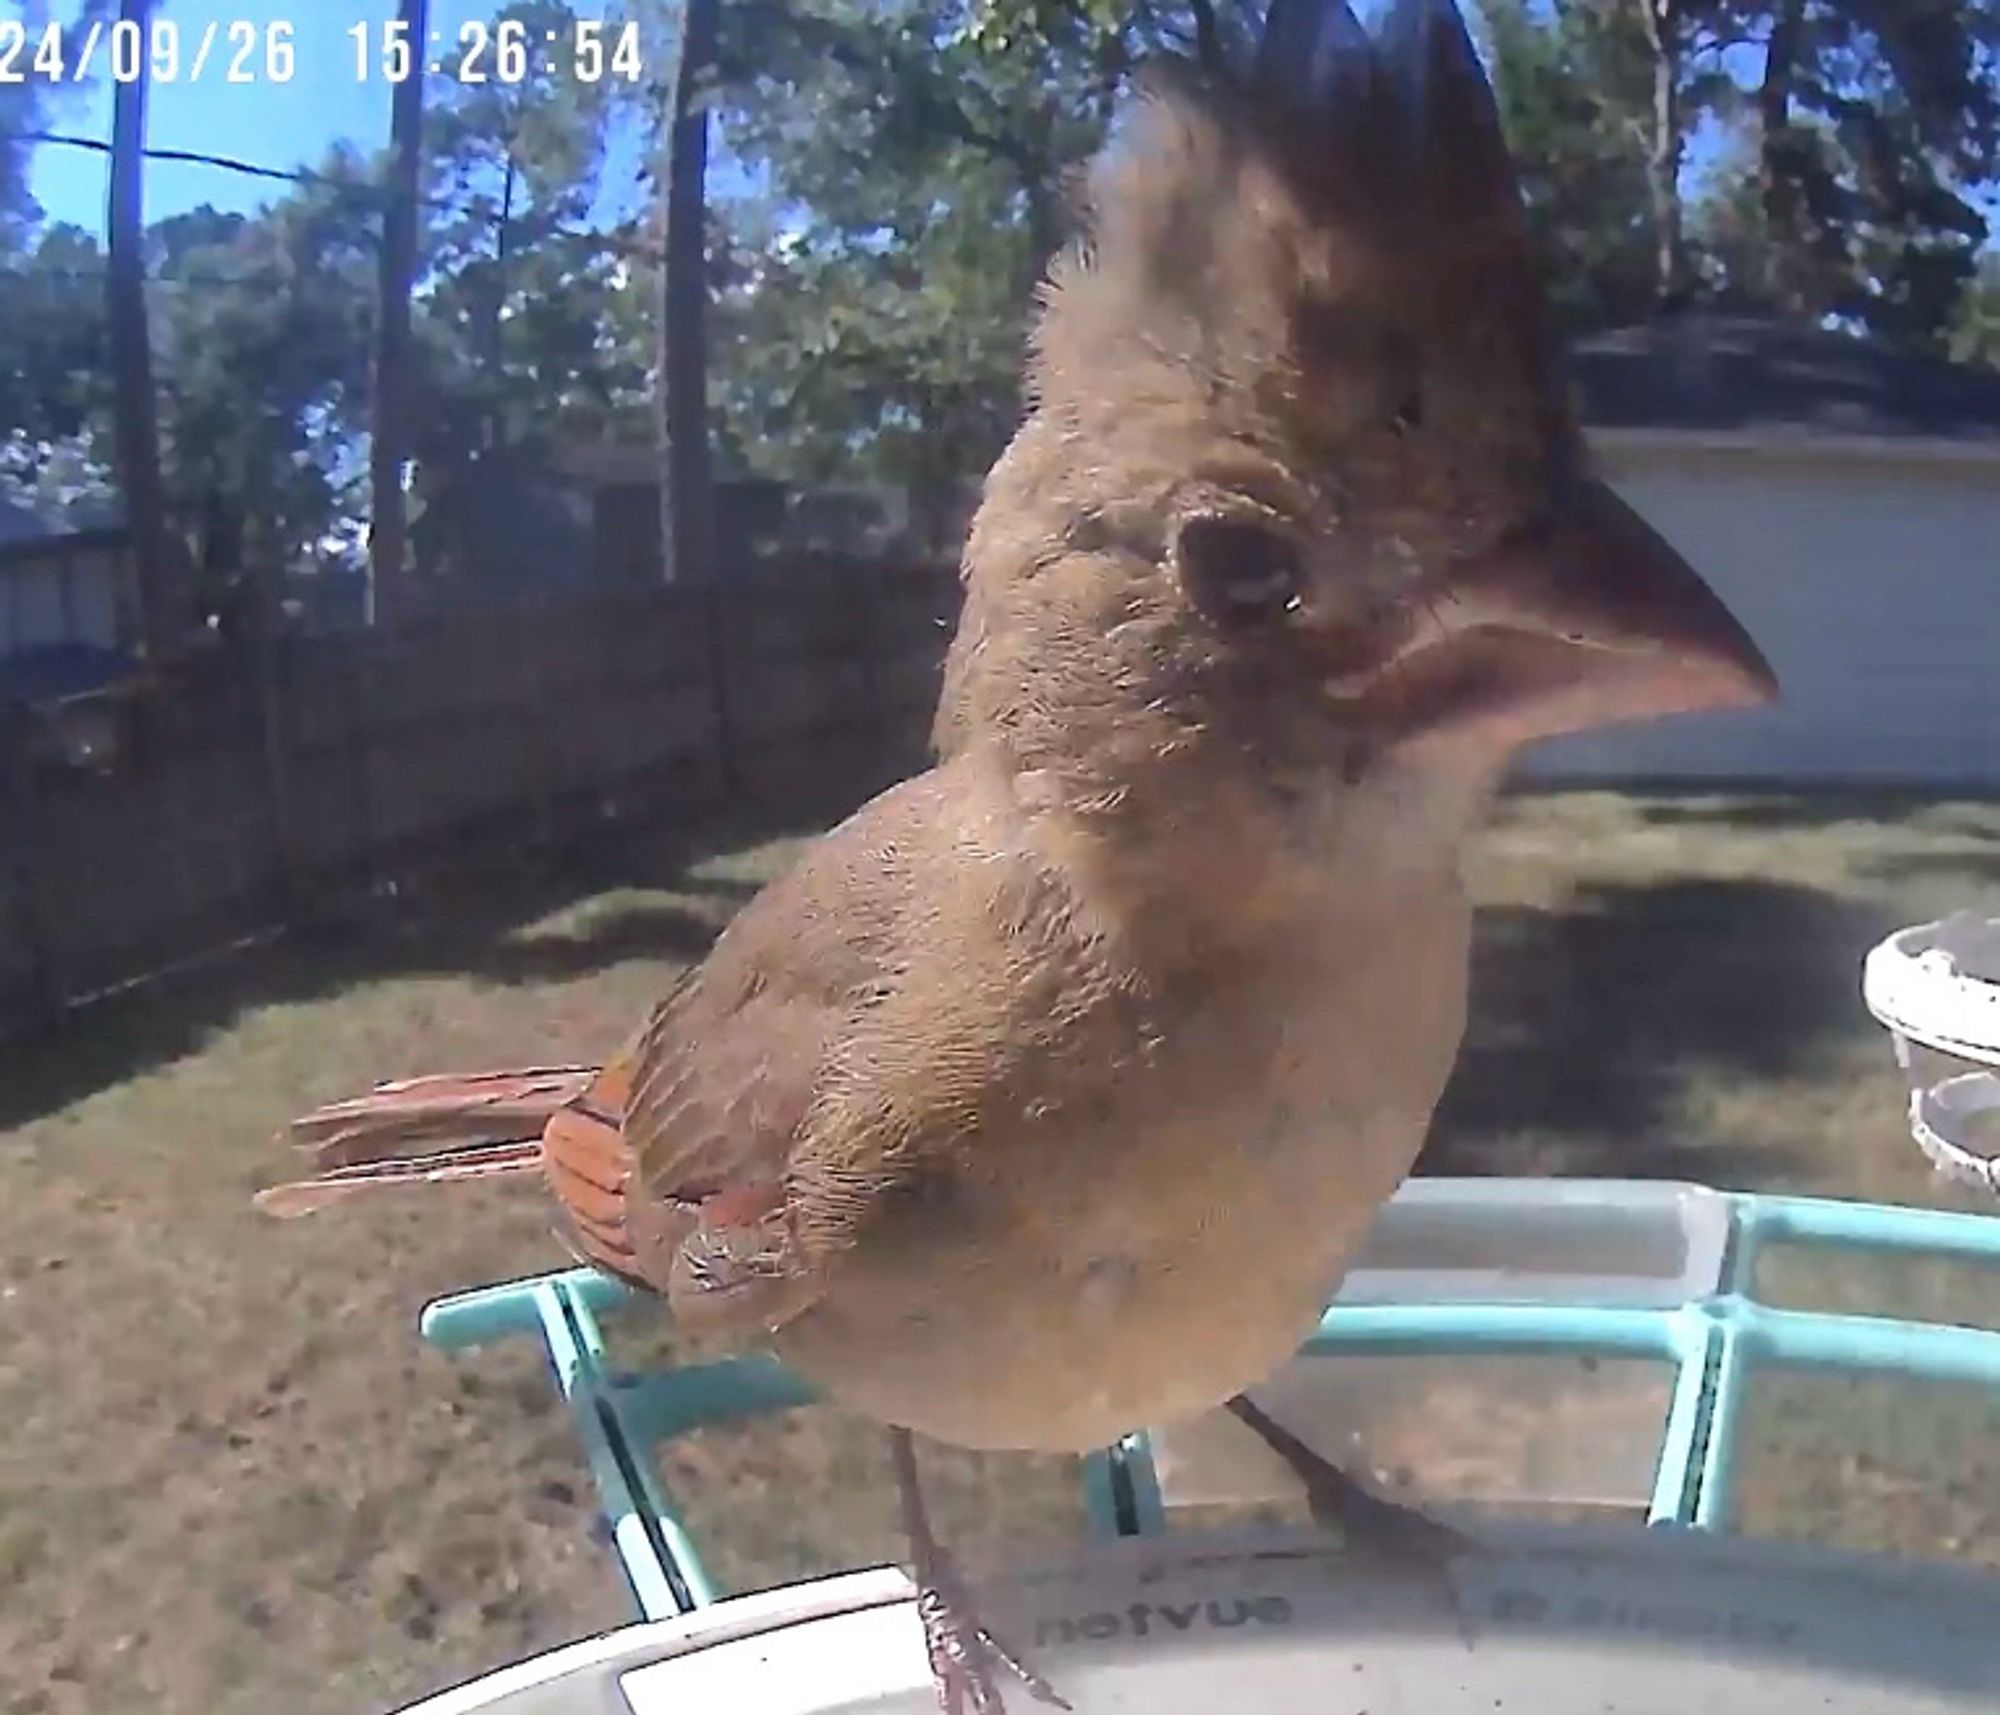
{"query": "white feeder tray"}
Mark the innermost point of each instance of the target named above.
(1548, 1623)
(1936, 988)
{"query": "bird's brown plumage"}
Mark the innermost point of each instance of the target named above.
(1050, 1092)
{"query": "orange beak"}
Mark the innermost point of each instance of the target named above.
(1588, 622)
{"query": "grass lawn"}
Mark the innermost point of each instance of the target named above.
(232, 1479)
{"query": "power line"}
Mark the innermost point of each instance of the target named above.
(378, 194)
(228, 163)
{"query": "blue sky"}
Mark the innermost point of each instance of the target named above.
(272, 125)
(281, 126)
(291, 125)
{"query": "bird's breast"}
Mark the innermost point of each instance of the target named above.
(1148, 1231)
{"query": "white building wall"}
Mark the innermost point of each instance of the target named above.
(1872, 583)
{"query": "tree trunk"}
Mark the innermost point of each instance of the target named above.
(388, 543)
(1663, 165)
(687, 497)
(686, 500)
(137, 434)
(496, 320)
(1207, 37)
(1777, 181)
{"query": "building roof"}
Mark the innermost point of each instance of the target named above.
(19, 523)
(1734, 375)
(26, 529)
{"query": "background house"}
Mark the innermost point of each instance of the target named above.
(65, 601)
(1844, 500)
(67, 611)
(617, 491)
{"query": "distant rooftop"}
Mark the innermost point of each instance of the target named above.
(23, 524)
(1703, 373)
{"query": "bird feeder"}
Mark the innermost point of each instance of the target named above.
(1575, 1612)
(1936, 988)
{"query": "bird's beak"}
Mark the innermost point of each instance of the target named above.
(1590, 620)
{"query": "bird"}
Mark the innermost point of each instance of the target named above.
(1050, 1094)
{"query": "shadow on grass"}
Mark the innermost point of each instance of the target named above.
(1806, 810)
(1980, 868)
(1964, 816)
(456, 919)
(1588, 1022)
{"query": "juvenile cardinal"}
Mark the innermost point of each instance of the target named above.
(1050, 1094)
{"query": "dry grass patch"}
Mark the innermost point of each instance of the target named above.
(234, 1481)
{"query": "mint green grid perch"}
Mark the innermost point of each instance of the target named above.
(1714, 1343)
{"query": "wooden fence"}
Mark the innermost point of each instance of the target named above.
(249, 786)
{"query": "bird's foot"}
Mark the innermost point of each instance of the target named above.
(967, 1660)
(1381, 1530)
(1386, 1532)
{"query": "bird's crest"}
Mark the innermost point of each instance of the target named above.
(1234, 220)
(1302, 354)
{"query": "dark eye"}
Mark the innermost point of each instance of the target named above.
(1238, 573)
(1408, 414)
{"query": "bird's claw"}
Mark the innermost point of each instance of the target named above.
(965, 1657)
(1386, 1531)
(1393, 1535)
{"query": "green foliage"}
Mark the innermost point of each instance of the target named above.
(1861, 203)
(54, 360)
(1894, 119)
(263, 324)
(888, 182)
(1975, 334)
(912, 158)
(513, 321)
(261, 334)
(260, 348)
(56, 475)
(1573, 91)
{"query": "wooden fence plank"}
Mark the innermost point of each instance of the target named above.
(254, 783)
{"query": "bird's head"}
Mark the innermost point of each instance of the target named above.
(1301, 496)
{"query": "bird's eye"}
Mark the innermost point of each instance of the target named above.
(1408, 414)
(1238, 573)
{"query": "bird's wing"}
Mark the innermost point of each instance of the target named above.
(674, 1165)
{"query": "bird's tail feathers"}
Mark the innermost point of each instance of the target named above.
(427, 1131)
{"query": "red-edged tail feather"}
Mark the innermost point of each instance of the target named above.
(428, 1130)
(566, 1121)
